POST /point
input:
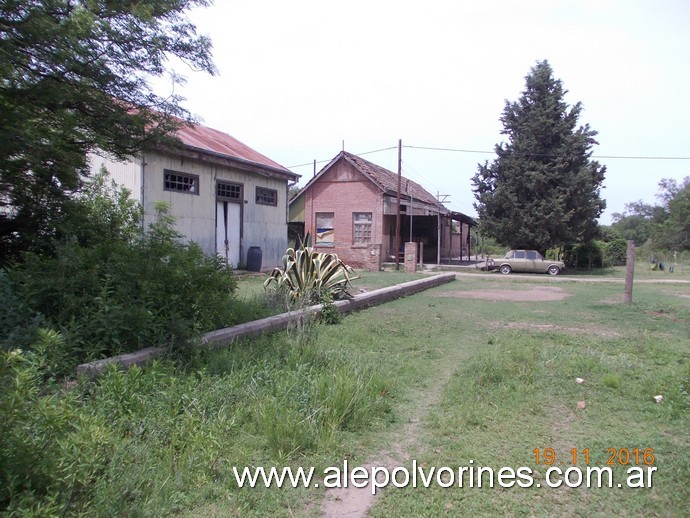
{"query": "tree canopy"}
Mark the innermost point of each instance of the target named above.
(543, 190)
(665, 225)
(75, 77)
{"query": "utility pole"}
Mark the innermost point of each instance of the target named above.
(397, 217)
(438, 225)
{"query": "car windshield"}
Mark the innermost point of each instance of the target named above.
(509, 255)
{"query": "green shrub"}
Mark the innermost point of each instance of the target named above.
(584, 255)
(118, 296)
(329, 311)
(51, 454)
(616, 252)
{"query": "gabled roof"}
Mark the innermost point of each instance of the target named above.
(386, 180)
(214, 143)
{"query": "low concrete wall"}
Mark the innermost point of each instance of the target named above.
(225, 336)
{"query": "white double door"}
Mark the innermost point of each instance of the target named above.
(228, 220)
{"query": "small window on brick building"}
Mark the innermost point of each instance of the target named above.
(325, 231)
(266, 196)
(361, 227)
(180, 182)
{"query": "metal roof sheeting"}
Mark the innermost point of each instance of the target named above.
(214, 142)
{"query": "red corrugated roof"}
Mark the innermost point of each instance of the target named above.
(216, 142)
(388, 180)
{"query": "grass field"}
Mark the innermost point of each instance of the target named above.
(506, 375)
(486, 373)
(479, 371)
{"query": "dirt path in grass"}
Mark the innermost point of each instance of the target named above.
(353, 502)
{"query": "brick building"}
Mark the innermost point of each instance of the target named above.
(350, 208)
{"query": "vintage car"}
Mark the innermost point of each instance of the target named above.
(529, 261)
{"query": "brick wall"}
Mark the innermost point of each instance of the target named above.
(343, 190)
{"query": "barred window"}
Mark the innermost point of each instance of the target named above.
(361, 227)
(266, 196)
(228, 191)
(180, 182)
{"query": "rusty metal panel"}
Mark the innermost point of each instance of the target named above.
(208, 139)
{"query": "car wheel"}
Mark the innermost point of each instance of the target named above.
(505, 269)
(554, 270)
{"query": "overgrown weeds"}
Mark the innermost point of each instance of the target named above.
(113, 296)
(158, 440)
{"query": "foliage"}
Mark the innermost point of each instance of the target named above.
(638, 221)
(74, 78)
(674, 233)
(584, 255)
(491, 248)
(102, 211)
(308, 275)
(665, 225)
(616, 252)
(117, 295)
(329, 311)
(543, 189)
(41, 473)
(155, 441)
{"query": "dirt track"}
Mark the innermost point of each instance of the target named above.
(564, 278)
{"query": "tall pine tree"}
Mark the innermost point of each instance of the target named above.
(542, 190)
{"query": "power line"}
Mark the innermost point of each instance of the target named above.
(483, 152)
(358, 154)
(622, 157)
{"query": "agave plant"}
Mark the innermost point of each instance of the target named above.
(311, 275)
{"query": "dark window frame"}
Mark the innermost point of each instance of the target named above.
(173, 179)
(266, 196)
(235, 189)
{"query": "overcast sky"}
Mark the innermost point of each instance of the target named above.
(299, 78)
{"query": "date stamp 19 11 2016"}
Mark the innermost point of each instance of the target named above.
(613, 456)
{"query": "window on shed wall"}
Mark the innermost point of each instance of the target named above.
(229, 191)
(266, 196)
(361, 227)
(180, 182)
(325, 231)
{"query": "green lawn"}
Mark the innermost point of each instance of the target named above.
(506, 374)
(491, 380)
(480, 370)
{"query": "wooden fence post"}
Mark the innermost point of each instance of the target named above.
(629, 271)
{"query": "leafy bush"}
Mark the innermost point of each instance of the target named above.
(42, 473)
(329, 311)
(113, 288)
(308, 275)
(616, 252)
(584, 255)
